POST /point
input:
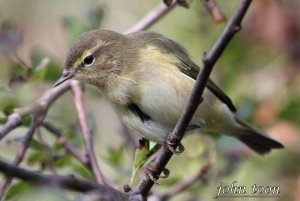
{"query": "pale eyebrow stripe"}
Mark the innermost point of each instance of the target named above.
(79, 63)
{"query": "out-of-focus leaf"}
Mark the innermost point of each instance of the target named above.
(44, 69)
(58, 147)
(81, 170)
(36, 158)
(26, 120)
(36, 145)
(8, 110)
(7, 103)
(63, 160)
(94, 16)
(45, 194)
(16, 189)
(115, 155)
(171, 181)
(291, 111)
(40, 73)
(3, 120)
(73, 27)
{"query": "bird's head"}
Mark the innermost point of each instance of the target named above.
(97, 56)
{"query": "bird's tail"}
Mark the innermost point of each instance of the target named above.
(257, 141)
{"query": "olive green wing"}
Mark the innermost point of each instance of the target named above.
(184, 62)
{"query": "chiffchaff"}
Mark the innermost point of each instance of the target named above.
(148, 79)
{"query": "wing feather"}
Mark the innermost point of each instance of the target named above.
(185, 64)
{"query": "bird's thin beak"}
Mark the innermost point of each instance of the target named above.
(65, 76)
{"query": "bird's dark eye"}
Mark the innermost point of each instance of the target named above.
(88, 60)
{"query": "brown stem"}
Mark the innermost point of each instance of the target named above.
(152, 17)
(183, 185)
(20, 153)
(68, 182)
(214, 11)
(70, 148)
(86, 132)
(232, 27)
(42, 104)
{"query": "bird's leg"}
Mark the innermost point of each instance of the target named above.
(173, 146)
(152, 174)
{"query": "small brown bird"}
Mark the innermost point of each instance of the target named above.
(148, 79)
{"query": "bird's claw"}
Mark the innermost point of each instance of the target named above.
(153, 176)
(166, 173)
(174, 147)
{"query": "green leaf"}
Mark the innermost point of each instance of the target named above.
(62, 161)
(44, 68)
(171, 181)
(36, 157)
(73, 27)
(40, 73)
(291, 110)
(26, 120)
(115, 156)
(36, 145)
(3, 120)
(8, 110)
(142, 154)
(17, 189)
(81, 170)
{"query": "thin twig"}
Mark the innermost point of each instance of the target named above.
(68, 182)
(86, 132)
(20, 153)
(42, 104)
(152, 17)
(209, 60)
(70, 148)
(39, 109)
(214, 11)
(183, 185)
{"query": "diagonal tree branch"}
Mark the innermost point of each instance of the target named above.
(86, 132)
(68, 182)
(183, 185)
(42, 104)
(151, 18)
(232, 27)
(159, 163)
(20, 153)
(70, 148)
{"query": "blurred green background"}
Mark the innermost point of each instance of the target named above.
(259, 70)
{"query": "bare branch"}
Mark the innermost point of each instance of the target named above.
(209, 60)
(214, 11)
(39, 109)
(68, 182)
(183, 185)
(20, 153)
(42, 104)
(86, 132)
(70, 148)
(152, 17)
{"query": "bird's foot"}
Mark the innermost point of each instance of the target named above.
(173, 146)
(152, 174)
